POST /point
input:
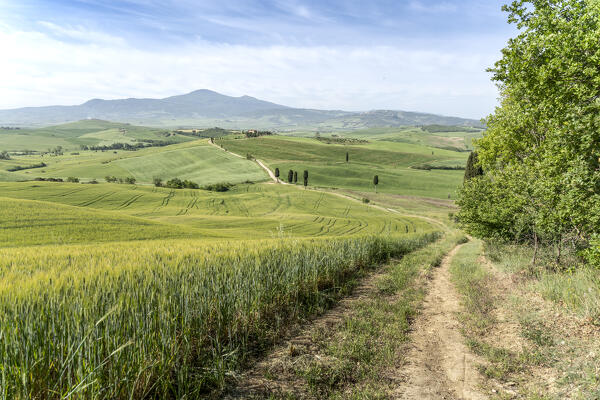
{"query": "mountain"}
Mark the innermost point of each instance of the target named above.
(205, 108)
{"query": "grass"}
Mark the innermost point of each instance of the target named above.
(88, 132)
(327, 167)
(29, 222)
(352, 358)
(573, 285)
(196, 161)
(164, 319)
(243, 212)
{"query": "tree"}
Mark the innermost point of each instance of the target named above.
(347, 156)
(473, 168)
(540, 151)
(305, 179)
(4, 155)
(72, 179)
(277, 174)
(158, 182)
(295, 176)
(290, 176)
(376, 182)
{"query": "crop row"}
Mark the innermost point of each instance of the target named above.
(168, 319)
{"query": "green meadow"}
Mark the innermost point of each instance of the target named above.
(395, 163)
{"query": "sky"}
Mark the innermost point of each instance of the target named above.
(355, 55)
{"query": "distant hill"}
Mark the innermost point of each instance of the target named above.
(205, 108)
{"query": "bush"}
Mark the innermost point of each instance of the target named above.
(218, 187)
(157, 181)
(110, 179)
(177, 183)
(365, 200)
(4, 155)
(22, 167)
(130, 180)
(592, 254)
(73, 179)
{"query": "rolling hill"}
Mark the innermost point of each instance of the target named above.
(205, 108)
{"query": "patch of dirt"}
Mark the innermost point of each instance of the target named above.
(438, 364)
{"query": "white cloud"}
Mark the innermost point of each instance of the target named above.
(40, 69)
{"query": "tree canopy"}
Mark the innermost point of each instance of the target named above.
(541, 150)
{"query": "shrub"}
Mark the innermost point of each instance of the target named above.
(157, 181)
(73, 179)
(218, 187)
(592, 254)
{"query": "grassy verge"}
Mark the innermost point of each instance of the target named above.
(557, 308)
(506, 367)
(353, 358)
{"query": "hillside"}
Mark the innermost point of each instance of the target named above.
(205, 108)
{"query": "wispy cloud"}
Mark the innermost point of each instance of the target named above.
(304, 53)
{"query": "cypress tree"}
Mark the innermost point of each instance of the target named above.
(376, 182)
(277, 173)
(347, 156)
(305, 179)
(295, 176)
(473, 168)
(290, 176)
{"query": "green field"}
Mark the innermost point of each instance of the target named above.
(393, 162)
(130, 291)
(88, 132)
(196, 161)
(245, 212)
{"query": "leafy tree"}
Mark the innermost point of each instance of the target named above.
(72, 179)
(158, 182)
(473, 168)
(540, 152)
(130, 180)
(290, 176)
(376, 182)
(110, 179)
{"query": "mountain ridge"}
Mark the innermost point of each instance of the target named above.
(205, 107)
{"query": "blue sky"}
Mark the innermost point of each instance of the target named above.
(421, 55)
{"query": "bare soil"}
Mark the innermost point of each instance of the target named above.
(438, 364)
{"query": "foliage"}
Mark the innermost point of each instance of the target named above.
(4, 155)
(129, 146)
(473, 168)
(290, 176)
(540, 153)
(429, 167)
(177, 183)
(157, 181)
(339, 140)
(22, 167)
(255, 133)
(592, 254)
(73, 179)
(218, 187)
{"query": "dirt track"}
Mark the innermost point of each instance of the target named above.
(438, 364)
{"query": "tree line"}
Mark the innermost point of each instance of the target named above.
(535, 176)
